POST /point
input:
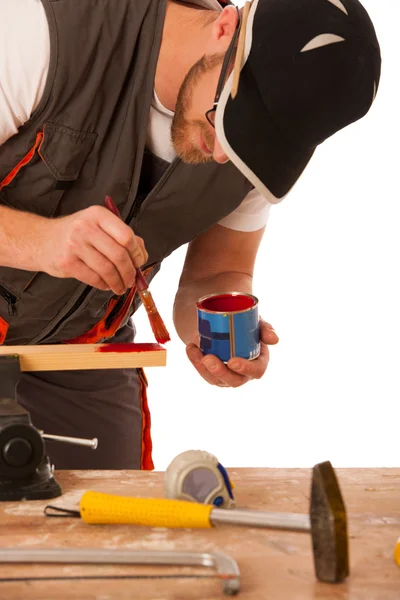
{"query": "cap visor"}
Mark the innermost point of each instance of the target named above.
(244, 128)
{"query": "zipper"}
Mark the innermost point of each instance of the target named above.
(10, 299)
(73, 309)
(137, 203)
(116, 309)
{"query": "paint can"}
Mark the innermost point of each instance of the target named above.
(228, 325)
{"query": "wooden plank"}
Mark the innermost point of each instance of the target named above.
(67, 357)
(274, 565)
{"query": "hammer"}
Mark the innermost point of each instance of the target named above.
(326, 521)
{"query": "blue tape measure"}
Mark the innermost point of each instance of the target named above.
(197, 475)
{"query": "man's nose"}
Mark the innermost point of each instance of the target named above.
(218, 154)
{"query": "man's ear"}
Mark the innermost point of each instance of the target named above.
(222, 30)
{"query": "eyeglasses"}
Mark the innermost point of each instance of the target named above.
(210, 114)
(240, 28)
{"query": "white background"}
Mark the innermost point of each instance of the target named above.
(327, 278)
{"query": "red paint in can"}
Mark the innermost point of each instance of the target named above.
(224, 303)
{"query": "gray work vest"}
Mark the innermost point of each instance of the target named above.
(90, 130)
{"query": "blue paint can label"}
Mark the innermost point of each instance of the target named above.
(228, 325)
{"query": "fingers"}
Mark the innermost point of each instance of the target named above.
(96, 247)
(267, 333)
(123, 235)
(106, 270)
(86, 275)
(235, 373)
(213, 370)
(252, 369)
(140, 241)
(114, 260)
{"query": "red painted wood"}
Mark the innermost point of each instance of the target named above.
(129, 348)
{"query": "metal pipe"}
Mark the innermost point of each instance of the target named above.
(226, 568)
(254, 518)
(71, 440)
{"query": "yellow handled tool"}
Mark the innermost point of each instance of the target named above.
(397, 552)
(96, 507)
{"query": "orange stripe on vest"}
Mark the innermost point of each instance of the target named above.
(3, 330)
(22, 163)
(147, 444)
(100, 330)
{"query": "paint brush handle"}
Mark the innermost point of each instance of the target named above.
(160, 331)
(110, 204)
(141, 283)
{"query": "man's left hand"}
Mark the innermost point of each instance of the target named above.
(238, 370)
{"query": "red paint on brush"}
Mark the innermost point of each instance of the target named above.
(129, 348)
(227, 303)
(163, 340)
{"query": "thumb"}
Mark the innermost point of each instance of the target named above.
(267, 333)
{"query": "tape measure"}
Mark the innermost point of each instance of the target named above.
(196, 475)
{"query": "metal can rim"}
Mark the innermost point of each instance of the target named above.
(226, 312)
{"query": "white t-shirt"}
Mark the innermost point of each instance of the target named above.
(24, 64)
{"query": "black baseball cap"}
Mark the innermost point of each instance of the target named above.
(309, 68)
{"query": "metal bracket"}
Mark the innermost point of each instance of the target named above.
(31, 477)
(226, 568)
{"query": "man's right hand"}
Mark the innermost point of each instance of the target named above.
(93, 246)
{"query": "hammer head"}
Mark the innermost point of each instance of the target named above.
(328, 526)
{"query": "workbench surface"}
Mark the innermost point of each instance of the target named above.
(274, 565)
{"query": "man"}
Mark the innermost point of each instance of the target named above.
(87, 111)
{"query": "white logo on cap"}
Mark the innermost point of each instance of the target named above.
(322, 40)
(375, 90)
(339, 5)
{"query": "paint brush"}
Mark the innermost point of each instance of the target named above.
(160, 331)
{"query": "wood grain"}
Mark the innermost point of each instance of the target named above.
(67, 357)
(274, 565)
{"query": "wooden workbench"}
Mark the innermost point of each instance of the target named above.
(274, 565)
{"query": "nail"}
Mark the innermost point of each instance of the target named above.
(236, 366)
(195, 355)
(272, 330)
(211, 365)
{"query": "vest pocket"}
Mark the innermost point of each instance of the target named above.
(37, 181)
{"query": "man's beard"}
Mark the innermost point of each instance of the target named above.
(182, 130)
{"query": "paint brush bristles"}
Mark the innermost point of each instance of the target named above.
(157, 324)
(160, 331)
